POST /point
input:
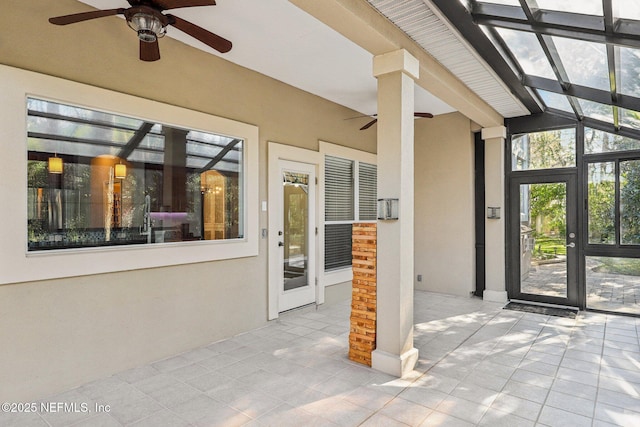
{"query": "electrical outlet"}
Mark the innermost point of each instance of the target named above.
(419, 277)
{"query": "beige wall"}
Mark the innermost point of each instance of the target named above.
(444, 203)
(61, 333)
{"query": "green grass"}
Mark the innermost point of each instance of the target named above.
(550, 246)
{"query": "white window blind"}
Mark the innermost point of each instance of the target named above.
(350, 196)
(367, 185)
(339, 189)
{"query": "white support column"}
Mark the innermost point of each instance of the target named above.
(494, 151)
(396, 72)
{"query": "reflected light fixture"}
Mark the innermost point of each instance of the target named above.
(120, 171)
(55, 164)
(148, 26)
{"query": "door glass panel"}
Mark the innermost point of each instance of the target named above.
(543, 260)
(630, 202)
(601, 203)
(544, 150)
(296, 208)
(613, 284)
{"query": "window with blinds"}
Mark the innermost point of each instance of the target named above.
(350, 196)
(367, 184)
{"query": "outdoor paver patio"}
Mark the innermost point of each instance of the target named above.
(479, 365)
(605, 291)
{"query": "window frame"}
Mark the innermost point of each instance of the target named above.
(18, 85)
(334, 277)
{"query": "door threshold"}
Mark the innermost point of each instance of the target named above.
(302, 307)
(545, 304)
(544, 309)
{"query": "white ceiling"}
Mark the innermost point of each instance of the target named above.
(279, 40)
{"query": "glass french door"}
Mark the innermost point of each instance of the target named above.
(296, 235)
(544, 239)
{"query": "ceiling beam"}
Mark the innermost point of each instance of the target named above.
(359, 22)
(135, 140)
(560, 24)
(220, 156)
(583, 92)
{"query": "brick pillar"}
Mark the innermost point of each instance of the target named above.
(362, 338)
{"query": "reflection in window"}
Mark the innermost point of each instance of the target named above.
(601, 203)
(121, 181)
(630, 202)
(585, 62)
(544, 150)
(598, 141)
(527, 50)
(296, 214)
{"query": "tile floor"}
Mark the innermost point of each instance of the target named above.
(479, 365)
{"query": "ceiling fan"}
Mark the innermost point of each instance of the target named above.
(146, 18)
(372, 122)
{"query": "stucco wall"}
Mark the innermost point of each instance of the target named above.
(444, 205)
(60, 333)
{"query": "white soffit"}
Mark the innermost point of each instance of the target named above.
(422, 21)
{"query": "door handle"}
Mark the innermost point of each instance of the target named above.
(280, 243)
(571, 245)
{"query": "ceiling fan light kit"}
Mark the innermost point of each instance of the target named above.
(147, 24)
(145, 17)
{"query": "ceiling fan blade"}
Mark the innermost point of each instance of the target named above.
(149, 51)
(360, 117)
(425, 115)
(85, 16)
(175, 4)
(220, 44)
(368, 125)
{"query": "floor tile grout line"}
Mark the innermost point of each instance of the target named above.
(433, 366)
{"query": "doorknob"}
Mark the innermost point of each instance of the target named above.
(571, 245)
(280, 243)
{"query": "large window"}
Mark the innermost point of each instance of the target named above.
(350, 196)
(544, 150)
(100, 179)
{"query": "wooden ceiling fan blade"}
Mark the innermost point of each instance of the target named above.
(425, 115)
(220, 44)
(368, 125)
(176, 4)
(85, 16)
(149, 51)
